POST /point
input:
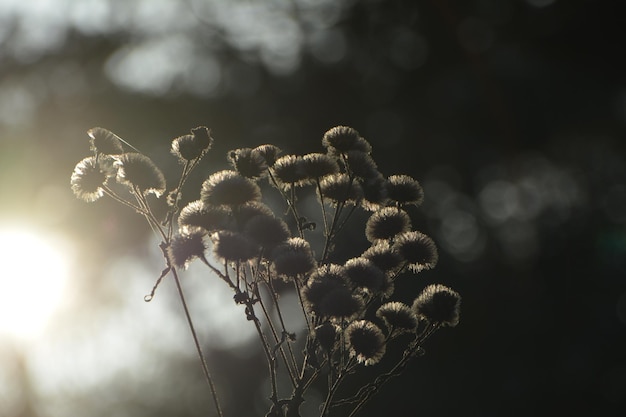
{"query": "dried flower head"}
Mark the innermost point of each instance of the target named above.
(210, 218)
(417, 249)
(266, 231)
(186, 247)
(404, 190)
(398, 317)
(233, 246)
(192, 146)
(322, 282)
(293, 258)
(248, 162)
(361, 165)
(88, 179)
(138, 172)
(362, 273)
(340, 188)
(438, 304)
(326, 335)
(269, 153)
(105, 142)
(365, 341)
(288, 171)
(374, 193)
(387, 223)
(340, 304)
(341, 139)
(383, 255)
(228, 188)
(318, 165)
(202, 137)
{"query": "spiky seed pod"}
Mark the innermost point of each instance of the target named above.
(233, 246)
(322, 281)
(88, 179)
(248, 162)
(340, 188)
(362, 273)
(202, 137)
(186, 247)
(293, 258)
(383, 255)
(228, 188)
(318, 165)
(104, 142)
(341, 139)
(387, 223)
(326, 335)
(266, 231)
(269, 153)
(210, 218)
(340, 304)
(404, 190)
(361, 165)
(374, 193)
(365, 341)
(136, 170)
(398, 317)
(438, 304)
(417, 249)
(289, 171)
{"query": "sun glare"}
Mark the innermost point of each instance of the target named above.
(32, 280)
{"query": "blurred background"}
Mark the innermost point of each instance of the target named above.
(511, 113)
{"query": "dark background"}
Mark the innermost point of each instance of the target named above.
(511, 113)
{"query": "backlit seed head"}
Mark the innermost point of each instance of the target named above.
(361, 165)
(293, 258)
(341, 139)
(202, 137)
(269, 153)
(417, 249)
(233, 246)
(186, 247)
(192, 146)
(322, 282)
(228, 188)
(266, 231)
(374, 193)
(87, 180)
(384, 256)
(365, 341)
(210, 218)
(104, 142)
(387, 223)
(362, 273)
(438, 304)
(318, 165)
(404, 190)
(248, 162)
(340, 304)
(137, 171)
(398, 317)
(340, 188)
(326, 335)
(288, 171)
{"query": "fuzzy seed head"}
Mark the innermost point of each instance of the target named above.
(384, 255)
(293, 258)
(233, 246)
(362, 273)
(248, 162)
(398, 317)
(186, 247)
(365, 341)
(228, 188)
(289, 171)
(210, 218)
(87, 180)
(404, 190)
(266, 231)
(340, 188)
(341, 139)
(438, 304)
(417, 249)
(105, 142)
(136, 170)
(269, 153)
(387, 223)
(318, 165)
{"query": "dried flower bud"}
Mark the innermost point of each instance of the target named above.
(404, 190)
(269, 153)
(210, 218)
(293, 258)
(438, 304)
(365, 341)
(248, 162)
(362, 273)
(186, 247)
(387, 223)
(185, 148)
(398, 317)
(418, 250)
(105, 142)
(88, 179)
(137, 171)
(340, 188)
(228, 188)
(202, 137)
(341, 139)
(289, 171)
(233, 246)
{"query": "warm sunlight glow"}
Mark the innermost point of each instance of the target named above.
(33, 275)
